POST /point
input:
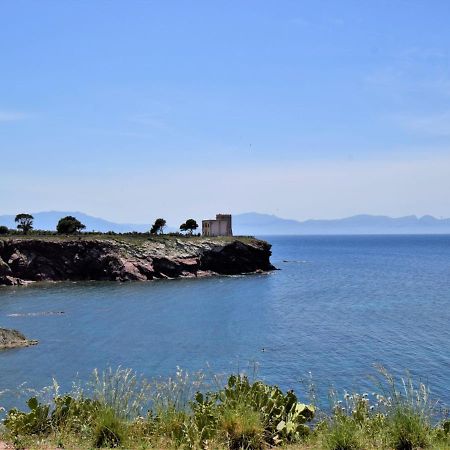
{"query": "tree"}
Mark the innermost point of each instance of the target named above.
(190, 225)
(158, 226)
(25, 222)
(69, 225)
(3, 229)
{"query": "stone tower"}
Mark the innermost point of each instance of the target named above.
(220, 226)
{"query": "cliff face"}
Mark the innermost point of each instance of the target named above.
(124, 259)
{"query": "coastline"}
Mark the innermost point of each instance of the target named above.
(128, 258)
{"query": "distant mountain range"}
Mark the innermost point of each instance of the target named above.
(261, 224)
(265, 224)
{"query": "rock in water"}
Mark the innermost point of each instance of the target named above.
(13, 339)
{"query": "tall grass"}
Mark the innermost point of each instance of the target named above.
(125, 392)
(399, 415)
(175, 393)
(119, 408)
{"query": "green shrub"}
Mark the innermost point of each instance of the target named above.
(37, 421)
(243, 414)
(3, 229)
(205, 419)
(407, 429)
(172, 425)
(408, 412)
(446, 427)
(74, 414)
(283, 418)
(242, 428)
(109, 431)
(343, 434)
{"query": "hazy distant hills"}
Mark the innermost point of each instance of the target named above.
(261, 224)
(265, 224)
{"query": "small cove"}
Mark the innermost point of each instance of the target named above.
(338, 305)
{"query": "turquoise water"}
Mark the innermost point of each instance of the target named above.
(337, 306)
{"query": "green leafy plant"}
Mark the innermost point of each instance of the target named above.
(37, 421)
(283, 417)
(205, 417)
(74, 414)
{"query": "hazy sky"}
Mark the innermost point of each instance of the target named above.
(306, 109)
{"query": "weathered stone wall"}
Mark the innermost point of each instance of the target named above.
(220, 226)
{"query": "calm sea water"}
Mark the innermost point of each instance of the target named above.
(337, 306)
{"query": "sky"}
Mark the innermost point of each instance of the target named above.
(132, 110)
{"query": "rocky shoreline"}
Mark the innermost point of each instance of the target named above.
(25, 260)
(13, 339)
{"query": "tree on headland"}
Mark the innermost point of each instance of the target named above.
(190, 225)
(3, 229)
(25, 222)
(69, 225)
(158, 226)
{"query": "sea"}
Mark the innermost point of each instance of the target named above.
(337, 309)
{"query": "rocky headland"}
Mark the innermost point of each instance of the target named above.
(128, 258)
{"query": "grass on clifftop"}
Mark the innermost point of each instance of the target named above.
(130, 238)
(119, 409)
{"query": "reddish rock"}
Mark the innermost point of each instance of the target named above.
(56, 259)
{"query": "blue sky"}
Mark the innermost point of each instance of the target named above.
(307, 109)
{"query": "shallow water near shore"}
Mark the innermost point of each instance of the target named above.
(338, 305)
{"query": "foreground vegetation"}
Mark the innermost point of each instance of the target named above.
(119, 409)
